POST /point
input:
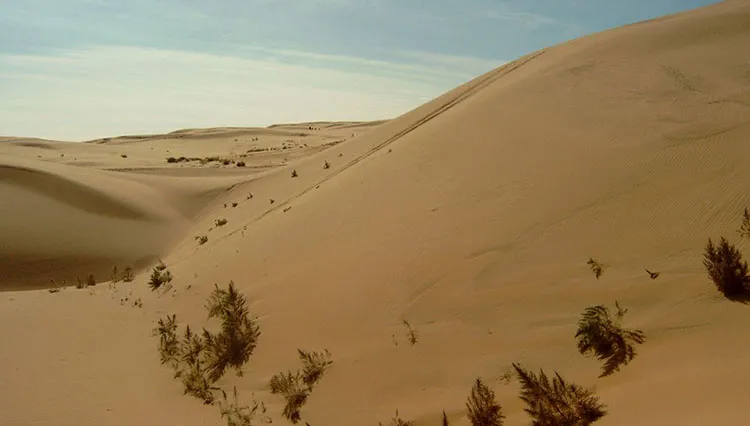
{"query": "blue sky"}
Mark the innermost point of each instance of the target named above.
(82, 69)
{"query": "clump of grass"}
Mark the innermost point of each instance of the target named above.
(326, 165)
(596, 267)
(160, 276)
(295, 387)
(294, 173)
(169, 344)
(557, 402)
(482, 408)
(240, 164)
(124, 155)
(116, 276)
(411, 333)
(726, 268)
(602, 336)
(202, 239)
(220, 222)
(235, 204)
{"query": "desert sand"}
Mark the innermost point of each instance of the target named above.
(472, 217)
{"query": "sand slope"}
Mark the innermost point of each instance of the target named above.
(472, 217)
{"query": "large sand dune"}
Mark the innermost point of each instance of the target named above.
(472, 217)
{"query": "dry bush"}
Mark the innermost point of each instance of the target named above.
(557, 403)
(221, 221)
(202, 239)
(726, 268)
(482, 408)
(116, 276)
(294, 173)
(169, 344)
(296, 387)
(128, 275)
(445, 419)
(314, 365)
(233, 345)
(292, 387)
(602, 336)
(160, 275)
(411, 333)
(596, 267)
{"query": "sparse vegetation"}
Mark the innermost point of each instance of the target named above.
(240, 415)
(482, 408)
(596, 267)
(295, 387)
(116, 276)
(445, 419)
(240, 164)
(127, 274)
(602, 336)
(398, 421)
(124, 155)
(326, 165)
(294, 173)
(202, 239)
(557, 403)
(744, 230)
(220, 222)
(169, 345)
(235, 204)
(411, 333)
(726, 268)
(239, 334)
(160, 275)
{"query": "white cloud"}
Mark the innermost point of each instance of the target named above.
(109, 90)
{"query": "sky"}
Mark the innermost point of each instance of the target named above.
(83, 69)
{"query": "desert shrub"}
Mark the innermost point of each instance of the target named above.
(445, 419)
(326, 165)
(202, 239)
(221, 221)
(171, 160)
(124, 155)
(80, 284)
(235, 204)
(191, 370)
(160, 275)
(90, 280)
(602, 336)
(169, 345)
(398, 421)
(726, 268)
(240, 164)
(411, 333)
(482, 408)
(744, 230)
(596, 267)
(233, 345)
(128, 275)
(294, 173)
(240, 415)
(292, 387)
(225, 162)
(314, 365)
(557, 403)
(296, 387)
(116, 276)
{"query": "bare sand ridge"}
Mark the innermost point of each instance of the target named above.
(472, 217)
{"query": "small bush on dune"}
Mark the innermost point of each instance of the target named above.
(202, 239)
(128, 275)
(482, 408)
(169, 345)
(557, 402)
(726, 268)
(292, 387)
(596, 267)
(296, 387)
(602, 336)
(160, 275)
(239, 334)
(221, 221)
(445, 419)
(744, 230)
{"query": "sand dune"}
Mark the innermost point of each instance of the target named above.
(471, 216)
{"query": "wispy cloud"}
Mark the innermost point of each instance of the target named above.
(103, 90)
